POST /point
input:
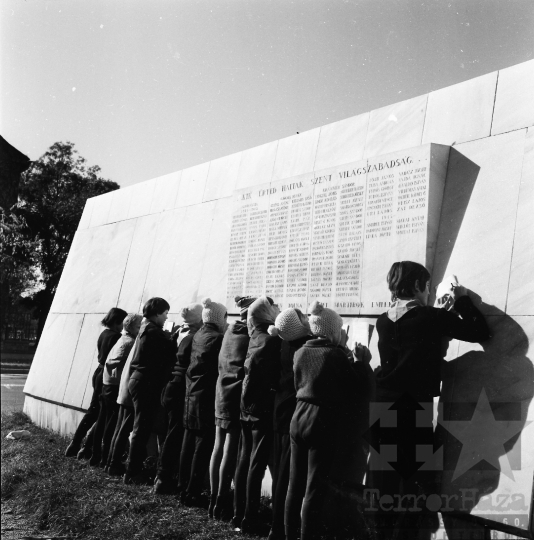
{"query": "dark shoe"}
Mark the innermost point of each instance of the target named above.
(276, 535)
(224, 507)
(236, 522)
(246, 526)
(94, 461)
(116, 471)
(84, 453)
(138, 479)
(197, 501)
(164, 487)
(72, 450)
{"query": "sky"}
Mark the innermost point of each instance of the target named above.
(145, 88)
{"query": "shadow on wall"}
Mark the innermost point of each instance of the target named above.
(461, 177)
(485, 399)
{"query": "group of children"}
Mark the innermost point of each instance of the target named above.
(277, 389)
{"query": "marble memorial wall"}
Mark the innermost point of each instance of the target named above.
(303, 226)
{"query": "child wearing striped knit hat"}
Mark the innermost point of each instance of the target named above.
(327, 387)
(293, 327)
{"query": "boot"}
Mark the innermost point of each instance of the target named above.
(224, 507)
(116, 471)
(84, 453)
(72, 450)
(164, 486)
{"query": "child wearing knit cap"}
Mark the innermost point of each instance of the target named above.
(227, 413)
(326, 385)
(199, 405)
(172, 399)
(294, 329)
(262, 372)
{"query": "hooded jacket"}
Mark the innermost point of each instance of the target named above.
(201, 378)
(231, 371)
(410, 344)
(262, 372)
(154, 355)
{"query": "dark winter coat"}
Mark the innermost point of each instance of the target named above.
(154, 356)
(285, 399)
(201, 378)
(106, 341)
(231, 371)
(262, 372)
(411, 347)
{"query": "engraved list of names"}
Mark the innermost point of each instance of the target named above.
(333, 235)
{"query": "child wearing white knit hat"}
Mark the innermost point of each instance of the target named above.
(325, 322)
(293, 327)
(199, 404)
(215, 313)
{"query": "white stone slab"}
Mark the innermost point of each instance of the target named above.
(215, 267)
(84, 361)
(192, 184)
(342, 142)
(521, 289)
(514, 104)
(165, 192)
(462, 112)
(478, 216)
(104, 269)
(396, 127)
(257, 165)
(403, 205)
(101, 208)
(85, 220)
(66, 299)
(135, 274)
(296, 154)
(51, 416)
(51, 364)
(222, 177)
(120, 204)
(165, 253)
(500, 369)
(190, 246)
(142, 194)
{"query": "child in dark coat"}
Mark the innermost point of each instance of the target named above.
(262, 371)
(294, 329)
(112, 323)
(410, 340)
(173, 398)
(107, 418)
(327, 386)
(199, 407)
(227, 400)
(150, 366)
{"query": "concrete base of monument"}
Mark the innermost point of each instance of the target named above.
(52, 416)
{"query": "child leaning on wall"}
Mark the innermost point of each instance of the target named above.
(294, 328)
(172, 400)
(151, 365)
(109, 409)
(262, 371)
(327, 387)
(410, 337)
(112, 323)
(199, 406)
(227, 400)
